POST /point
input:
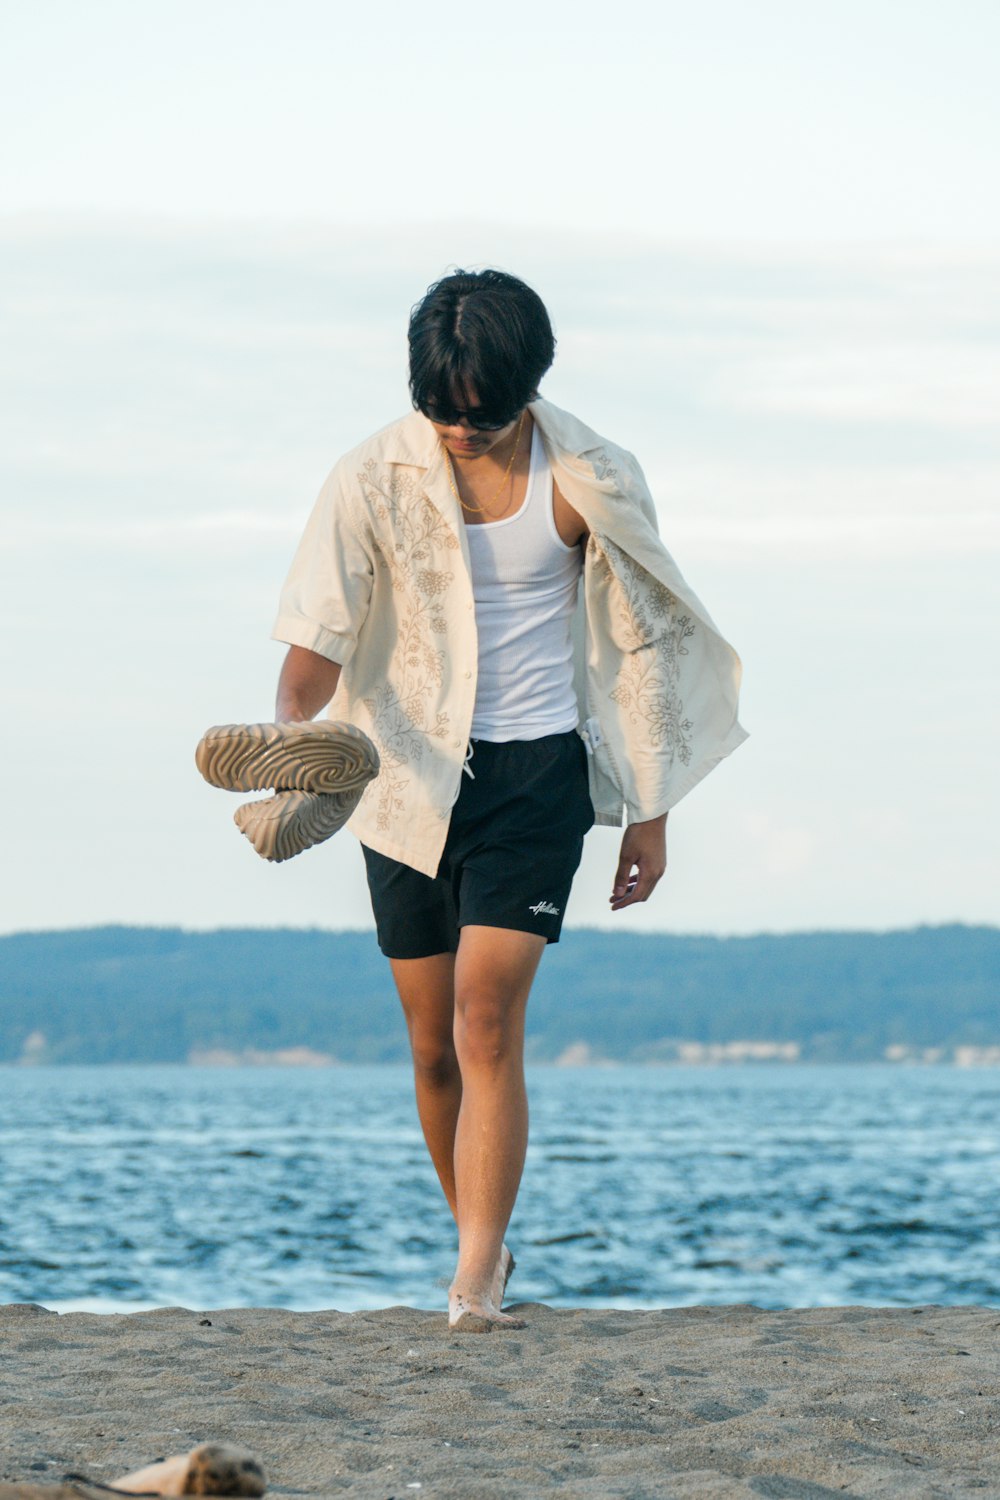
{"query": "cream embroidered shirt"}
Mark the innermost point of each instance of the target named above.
(381, 584)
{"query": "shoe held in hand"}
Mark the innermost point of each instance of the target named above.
(318, 772)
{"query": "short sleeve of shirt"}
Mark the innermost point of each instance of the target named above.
(635, 485)
(326, 595)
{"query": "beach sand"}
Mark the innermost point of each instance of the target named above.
(696, 1403)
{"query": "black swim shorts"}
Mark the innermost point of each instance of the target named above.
(514, 843)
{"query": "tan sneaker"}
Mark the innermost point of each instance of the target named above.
(322, 756)
(319, 772)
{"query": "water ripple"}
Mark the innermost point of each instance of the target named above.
(643, 1187)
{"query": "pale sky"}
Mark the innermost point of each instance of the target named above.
(767, 240)
(775, 120)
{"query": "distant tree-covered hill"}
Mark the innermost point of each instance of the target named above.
(121, 994)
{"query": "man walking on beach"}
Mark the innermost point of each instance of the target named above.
(435, 601)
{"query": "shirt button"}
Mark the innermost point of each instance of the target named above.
(467, 674)
(457, 744)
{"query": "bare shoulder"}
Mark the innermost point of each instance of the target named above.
(570, 524)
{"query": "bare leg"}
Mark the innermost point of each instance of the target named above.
(426, 989)
(493, 975)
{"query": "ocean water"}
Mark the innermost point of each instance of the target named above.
(132, 1187)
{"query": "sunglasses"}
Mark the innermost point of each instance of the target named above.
(475, 418)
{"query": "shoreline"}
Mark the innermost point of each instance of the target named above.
(699, 1403)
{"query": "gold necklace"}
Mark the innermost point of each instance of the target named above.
(482, 510)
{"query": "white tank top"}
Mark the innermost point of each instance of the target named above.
(524, 582)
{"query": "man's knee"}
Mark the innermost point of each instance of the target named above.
(487, 1027)
(434, 1059)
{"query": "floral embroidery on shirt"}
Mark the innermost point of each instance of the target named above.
(432, 581)
(400, 721)
(642, 603)
(653, 633)
(397, 500)
(643, 688)
(603, 466)
(400, 730)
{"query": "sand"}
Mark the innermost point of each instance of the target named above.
(690, 1402)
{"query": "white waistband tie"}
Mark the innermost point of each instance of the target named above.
(467, 767)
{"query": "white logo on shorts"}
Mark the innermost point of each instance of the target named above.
(544, 909)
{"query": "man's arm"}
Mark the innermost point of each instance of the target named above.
(307, 683)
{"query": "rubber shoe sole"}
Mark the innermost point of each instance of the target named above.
(318, 771)
(318, 757)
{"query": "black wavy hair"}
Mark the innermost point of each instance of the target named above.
(481, 328)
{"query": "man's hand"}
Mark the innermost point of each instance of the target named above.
(641, 863)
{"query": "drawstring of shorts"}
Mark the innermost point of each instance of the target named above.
(467, 767)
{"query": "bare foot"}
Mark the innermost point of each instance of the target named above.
(211, 1469)
(501, 1276)
(470, 1314)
